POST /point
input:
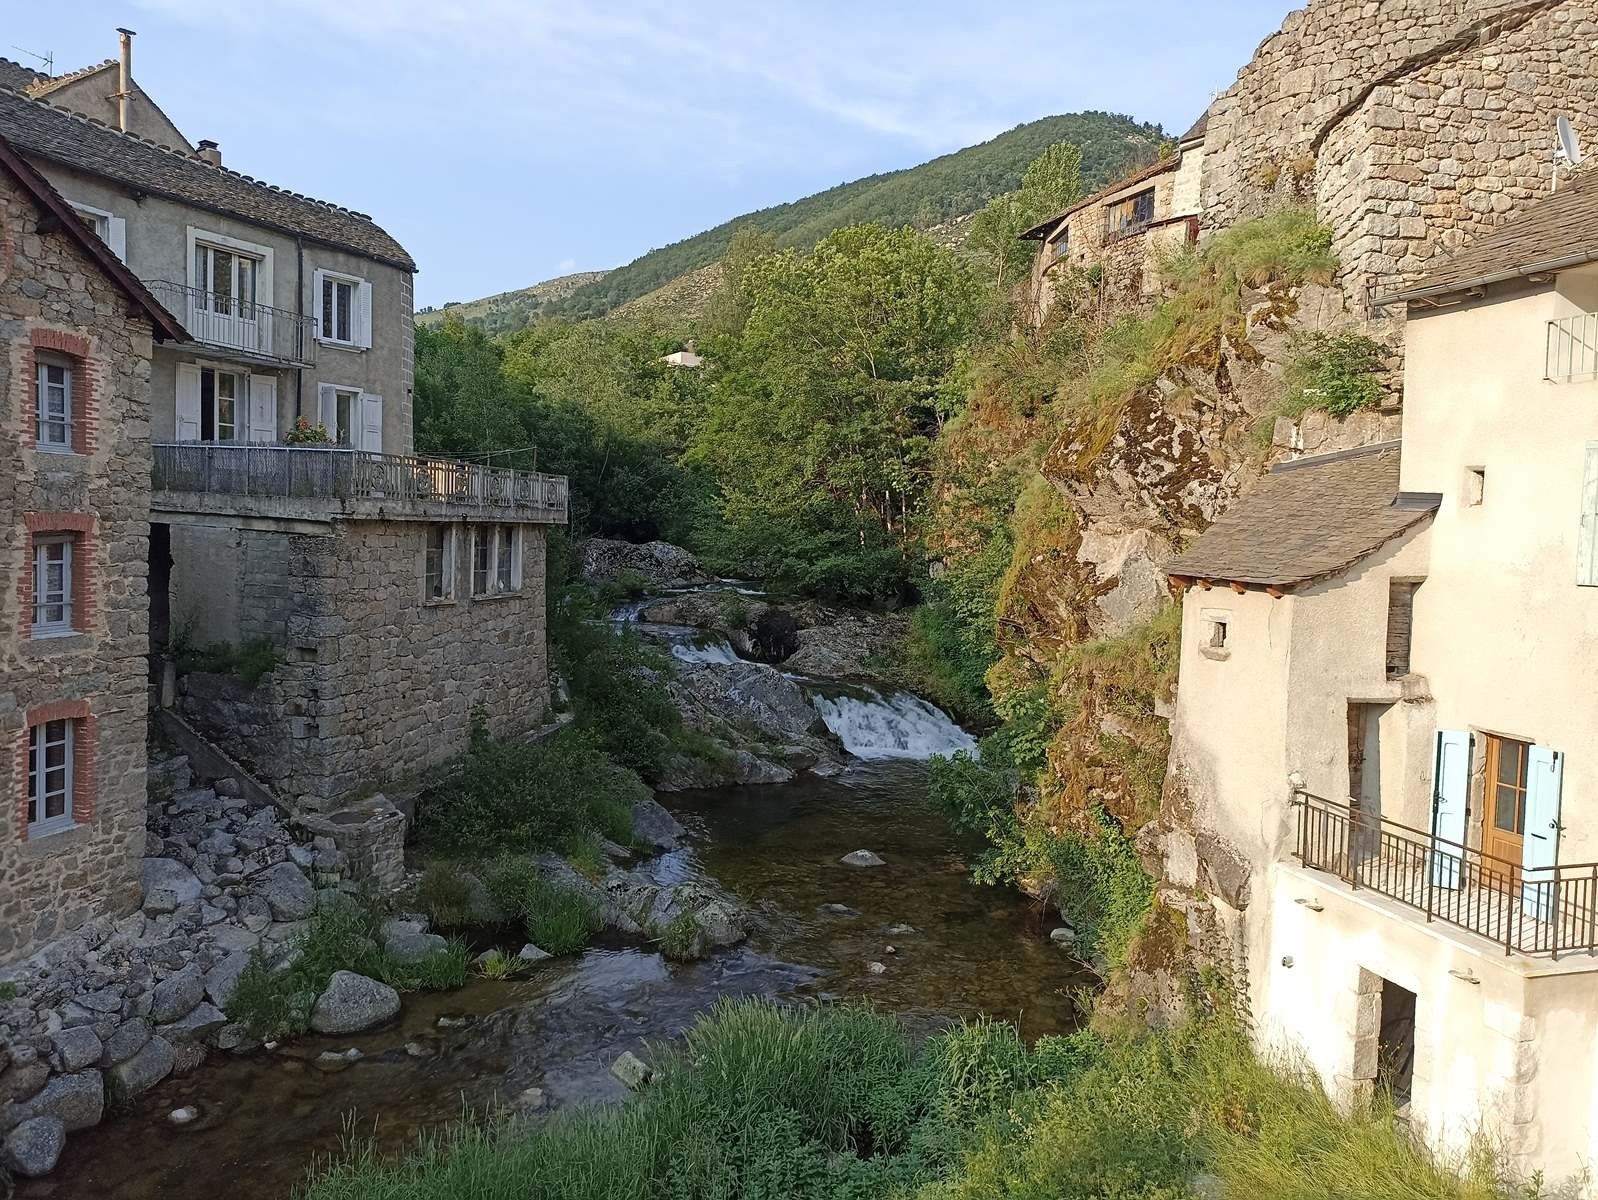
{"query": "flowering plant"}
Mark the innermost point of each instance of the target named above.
(304, 433)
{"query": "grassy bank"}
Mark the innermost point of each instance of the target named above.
(759, 1103)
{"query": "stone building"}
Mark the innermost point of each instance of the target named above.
(378, 596)
(1382, 762)
(76, 334)
(1114, 239)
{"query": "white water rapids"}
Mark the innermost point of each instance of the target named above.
(871, 725)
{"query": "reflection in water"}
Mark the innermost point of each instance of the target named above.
(967, 950)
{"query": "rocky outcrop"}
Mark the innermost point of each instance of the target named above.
(851, 646)
(654, 564)
(759, 719)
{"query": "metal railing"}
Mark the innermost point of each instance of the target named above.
(240, 325)
(1552, 910)
(325, 472)
(1572, 351)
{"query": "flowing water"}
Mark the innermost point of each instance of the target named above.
(947, 948)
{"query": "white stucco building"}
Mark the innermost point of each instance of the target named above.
(1385, 748)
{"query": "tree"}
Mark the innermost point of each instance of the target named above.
(1051, 184)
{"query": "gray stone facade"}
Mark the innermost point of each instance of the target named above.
(55, 299)
(373, 683)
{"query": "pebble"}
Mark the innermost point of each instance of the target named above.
(454, 1022)
(184, 1115)
(862, 858)
(876, 968)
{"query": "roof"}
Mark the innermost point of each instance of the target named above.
(165, 325)
(1198, 129)
(1042, 228)
(1306, 519)
(42, 130)
(15, 75)
(46, 84)
(1557, 231)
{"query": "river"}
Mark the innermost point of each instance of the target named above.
(948, 949)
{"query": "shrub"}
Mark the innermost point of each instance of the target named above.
(680, 939)
(1101, 888)
(551, 796)
(251, 662)
(556, 919)
(445, 895)
(1338, 372)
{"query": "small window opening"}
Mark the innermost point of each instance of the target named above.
(1400, 622)
(1475, 485)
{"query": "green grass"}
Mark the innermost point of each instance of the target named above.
(341, 936)
(763, 1103)
(680, 939)
(250, 662)
(556, 920)
(8, 992)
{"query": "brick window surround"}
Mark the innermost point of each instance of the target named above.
(85, 582)
(85, 386)
(85, 761)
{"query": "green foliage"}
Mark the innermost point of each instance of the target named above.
(8, 992)
(251, 662)
(1051, 184)
(1339, 373)
(445, 895)
(557, 919)
(934, 192)
(343, 935)
(1101, 888)
(523, 798)
(680, 939)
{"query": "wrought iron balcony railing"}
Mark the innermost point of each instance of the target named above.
(1572, 351)
(1552, 910)
(221, 321)
(323, 472)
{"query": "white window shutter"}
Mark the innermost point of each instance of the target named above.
(327, 408)
(363, 315)
(316, 303)
(188, 403)
(1450, 800)
(263, 408)
(371, 427)
(116, 236)
(1587, 534)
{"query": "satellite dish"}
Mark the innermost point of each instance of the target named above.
(1569, 147)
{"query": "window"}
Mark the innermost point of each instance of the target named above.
(343, 309)
(482, 560)
(226, 281)
(53, 385)
(98, 221)
(438, 572)
(1475, 485)
(1131, 215)
(340, 408)
(52, 586)
(50, 777)
(504, 538)
(1215, 634)
(338, 296)
(496, 563)
(1062, 244)
(221, 395)
(1400, 620)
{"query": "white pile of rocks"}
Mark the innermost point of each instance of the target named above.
(110, 1010)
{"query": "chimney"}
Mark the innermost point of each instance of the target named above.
(210, 151)
(125, 79)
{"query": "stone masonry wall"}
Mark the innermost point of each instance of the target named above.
(372, 683)
(54, 298)
(1410, 124)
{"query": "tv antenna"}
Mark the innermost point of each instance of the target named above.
(48, 59)
(1568, 151)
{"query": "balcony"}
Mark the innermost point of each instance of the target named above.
(1572, 351)
(1550, 911)
(316, 482)
(240, 329)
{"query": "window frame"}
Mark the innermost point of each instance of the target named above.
(343, 435)
(43, 363)
(445, 574)
(332, 282)
(1129, 223)
(39, 742)
(234, 302)
(495, 562)
(241, 379)
(42, 545)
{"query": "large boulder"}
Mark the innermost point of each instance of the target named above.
(352, 1003)
(76, 1100)
(175, 995)
(752, 696)
(222, 980)
(168, 885)
(848, 646)
(77, 1048)
(34, 1147)
(414, 947)
(287, 891)
(654, 827)
(657, 564)
(142, 1072)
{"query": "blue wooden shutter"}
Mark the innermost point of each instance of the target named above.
(1450, 803)
(1545, 772)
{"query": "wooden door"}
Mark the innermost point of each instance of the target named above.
(1504, 807)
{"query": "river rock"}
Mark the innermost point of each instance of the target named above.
(76, 1100)
(654, 827)
(631, 1070)
(142, 1072)
(287, 891)
(196, 1025)
(836, 910)
(533, 954)
(126, 1041)
(168, 885)
(414, 947)
(222, 980)
(20, 1081)
(745, 695)
(34, 1147)
(177, 994)
(876, 968)
(862, 858)
(77, 1048)
(1063, 936)
(352, 1003)
(658, 564)
(186, 1115)
(848, 646)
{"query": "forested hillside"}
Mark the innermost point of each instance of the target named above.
(508, 311)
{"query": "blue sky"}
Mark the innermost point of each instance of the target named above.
(507, 141)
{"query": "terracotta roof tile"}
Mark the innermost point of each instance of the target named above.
(41, 130)
(1304, 521)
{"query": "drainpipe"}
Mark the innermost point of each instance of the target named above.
(299, 317)
(125, 78)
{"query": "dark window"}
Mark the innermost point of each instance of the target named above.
(1400, 620)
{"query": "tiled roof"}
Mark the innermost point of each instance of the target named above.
(1559, 230)
(15, 75)
(46, 84)
(44, 131)
(1042, 228)
(1304, 521)
(1199, 126)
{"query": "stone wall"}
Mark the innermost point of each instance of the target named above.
(54, 299)
(372, 683)
(1410, 124)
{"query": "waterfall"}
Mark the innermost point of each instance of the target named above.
(704, 649)
(871, 725)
